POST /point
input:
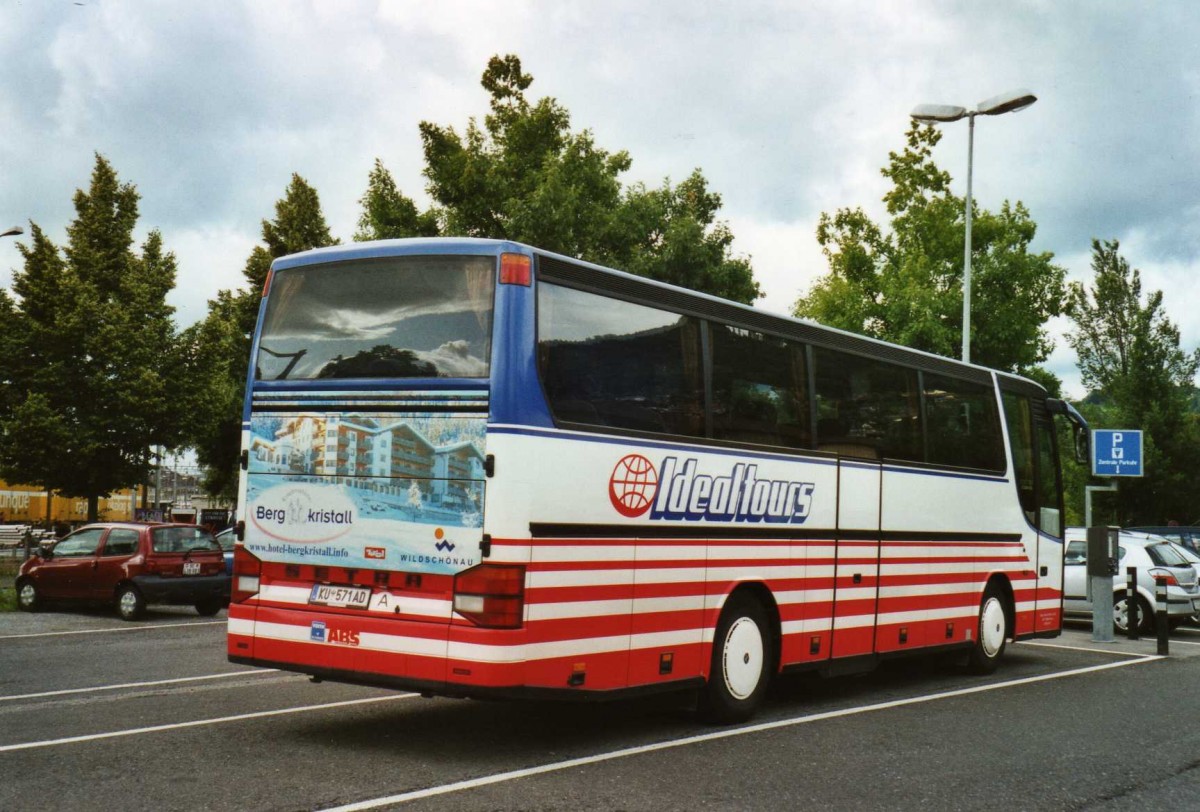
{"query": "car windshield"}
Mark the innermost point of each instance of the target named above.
(182, 539)
(1165, 555)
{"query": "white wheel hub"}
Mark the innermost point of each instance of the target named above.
(742, 659)
(992, 627)
(27, 594)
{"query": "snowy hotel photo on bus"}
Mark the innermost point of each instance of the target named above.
(373, 482)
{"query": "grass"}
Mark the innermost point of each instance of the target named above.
(8, 573)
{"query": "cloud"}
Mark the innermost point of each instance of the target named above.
(789, 109)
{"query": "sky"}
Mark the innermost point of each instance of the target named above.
(788, 108)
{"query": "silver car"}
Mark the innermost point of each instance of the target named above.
(1194, 560)
(1152, 556)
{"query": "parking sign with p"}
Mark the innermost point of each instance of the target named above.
(1117, 452)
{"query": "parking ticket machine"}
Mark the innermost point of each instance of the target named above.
(1102, 551)
(1102, 562)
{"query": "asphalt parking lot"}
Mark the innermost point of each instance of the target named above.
(97, 713)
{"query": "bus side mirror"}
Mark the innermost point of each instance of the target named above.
(1082, 445)
(1082, 436)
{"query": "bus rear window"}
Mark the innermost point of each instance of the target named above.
(397, 317)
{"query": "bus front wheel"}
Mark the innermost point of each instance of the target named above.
(741, 659)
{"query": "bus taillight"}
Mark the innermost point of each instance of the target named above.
(246, 571)
(515, 269)
(491, 595)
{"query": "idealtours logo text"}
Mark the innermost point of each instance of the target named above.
(684, 492)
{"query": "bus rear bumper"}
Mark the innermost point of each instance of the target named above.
(459, 690)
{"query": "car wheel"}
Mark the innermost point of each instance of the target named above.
(741, 658)
(130, 603)
(28, 598)
(1121, 614)
(208, 607)
(991, 632)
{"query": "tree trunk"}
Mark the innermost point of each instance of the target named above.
(93, 508)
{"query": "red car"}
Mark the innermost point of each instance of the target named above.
(129, 564)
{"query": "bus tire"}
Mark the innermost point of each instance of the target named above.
(741, 661)
(992, 631)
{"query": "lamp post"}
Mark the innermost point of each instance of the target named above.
(13, 232)
(1009, 102)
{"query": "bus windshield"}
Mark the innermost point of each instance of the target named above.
(402, 317)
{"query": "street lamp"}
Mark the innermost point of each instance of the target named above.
(13, 232)
(1009, 102)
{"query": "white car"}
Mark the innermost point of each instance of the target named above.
(1194, 560)
(1152, 556)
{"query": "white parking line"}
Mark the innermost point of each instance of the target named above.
(1083, 648)
(475, 783)
(177, 680)
(139, 628)
(197, 723)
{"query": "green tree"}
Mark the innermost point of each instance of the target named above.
(93, 383)
(218, 348)
(525, 176)
(387, 214)
(1130, 357)
(904, 283)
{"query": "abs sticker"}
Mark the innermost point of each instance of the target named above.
(320, 632)
(686, 493)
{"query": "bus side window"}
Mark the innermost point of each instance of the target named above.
(613, 363)
(760, 388)
(961, 423)
(1035, 462)
(1020, 435)
(867, 408)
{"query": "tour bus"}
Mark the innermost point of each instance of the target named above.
(474, 468)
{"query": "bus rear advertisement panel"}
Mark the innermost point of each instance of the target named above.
(381, 491)
(477, 469)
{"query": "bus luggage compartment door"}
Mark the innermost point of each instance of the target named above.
(856, 580)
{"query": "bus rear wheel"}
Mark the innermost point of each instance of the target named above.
(741, 659)
(992, 632)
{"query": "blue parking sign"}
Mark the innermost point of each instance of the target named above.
(1117, 452)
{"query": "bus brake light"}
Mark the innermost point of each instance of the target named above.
(246, 571)
(491, 595)
(515, 269)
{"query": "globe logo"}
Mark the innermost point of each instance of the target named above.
(632, 485)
